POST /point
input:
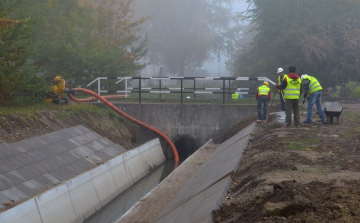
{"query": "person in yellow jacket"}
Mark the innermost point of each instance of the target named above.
(281, 77)
(291, 87)
(312, 91)
(263, 96)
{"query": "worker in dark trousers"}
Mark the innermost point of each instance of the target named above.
(291, 86)
(263, 96)
(281, 77)
(312, 91)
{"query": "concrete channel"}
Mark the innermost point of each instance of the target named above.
(69, 177)
(114, 183)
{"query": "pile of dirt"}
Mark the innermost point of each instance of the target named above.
(17, 127)
(307, 174)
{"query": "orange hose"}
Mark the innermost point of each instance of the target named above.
(106, 96)
(113, 107)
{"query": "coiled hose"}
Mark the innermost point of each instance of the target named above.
(117, 110)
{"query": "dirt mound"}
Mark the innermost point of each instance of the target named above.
(307, 174)
(23, 125)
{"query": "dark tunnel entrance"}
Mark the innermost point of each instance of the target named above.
(186, 145)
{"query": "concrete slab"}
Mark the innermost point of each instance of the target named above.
(111, 152)
(6, 166)
(147, 159)
(19, 146)
(135, 165)
(104, 183)
(7, 182)
(158, 154)
(2, 186)
(118, 148)
(25, 212)
(95, 146)
(12, 197)
(121, 173)
(50, 177)
(84, 196)
(50, 202)
(7, 150)
(30, 158)
(103, 155)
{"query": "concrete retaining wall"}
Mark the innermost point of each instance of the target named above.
(202, 121)
(78, 198)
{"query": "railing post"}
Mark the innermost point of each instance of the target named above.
(126, 90)
(140, 90)
(160, 87)
(99, 88)
(229, 88)
(194, 87)
(181, 90)
(224, 91)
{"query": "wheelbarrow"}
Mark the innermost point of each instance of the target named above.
(331, 110)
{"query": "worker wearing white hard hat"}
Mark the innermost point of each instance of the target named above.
(280, 72)
(312, 92)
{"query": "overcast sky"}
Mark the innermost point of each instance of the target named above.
(240, 6)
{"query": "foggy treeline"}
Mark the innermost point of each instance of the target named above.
(319, 37)
(85, 39)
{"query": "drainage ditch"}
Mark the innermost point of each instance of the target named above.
(115, 209)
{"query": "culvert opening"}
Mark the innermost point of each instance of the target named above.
(186, 145)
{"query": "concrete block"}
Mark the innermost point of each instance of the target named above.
(157, 152)
(55, 206)
(118, 148)
(134, 163)
(147, 157)
(95, 146)
(25, 212)
(19, 146)
(104, 183)
(51, 178)
(10, 196)
(121, 173)
(111, 152)
(6, 166)
(83, 195)
(7, 182)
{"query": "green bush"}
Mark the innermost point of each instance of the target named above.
(349, 90)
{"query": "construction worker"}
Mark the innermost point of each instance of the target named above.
(281, 77)
(263, 96)
(312, 91)
(291, 87)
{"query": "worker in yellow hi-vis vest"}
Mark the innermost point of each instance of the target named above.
(291, 86)
(263, 96)
(312, 91)
(280, 78)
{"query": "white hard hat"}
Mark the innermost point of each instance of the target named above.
(280, 70)
(303, 76)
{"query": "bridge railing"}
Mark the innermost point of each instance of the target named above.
(225, 90)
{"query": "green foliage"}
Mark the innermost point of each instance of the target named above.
(81, 40)
(320, 37)
(19, 83)
(348, 90)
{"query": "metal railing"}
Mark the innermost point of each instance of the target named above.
(167, 90)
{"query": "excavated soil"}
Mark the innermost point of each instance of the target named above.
(17, 127)
(307, 174)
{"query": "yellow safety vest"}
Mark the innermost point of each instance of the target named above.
(279, 81)
(314, 84)
(292, 90)
(263, 90)
(235, 96)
